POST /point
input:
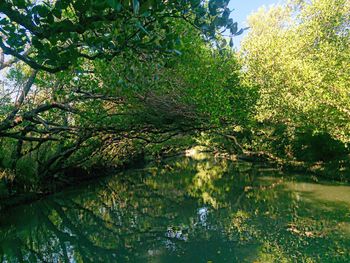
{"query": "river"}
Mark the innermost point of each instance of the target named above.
(184, 210)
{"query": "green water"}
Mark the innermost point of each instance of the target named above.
(184, 210)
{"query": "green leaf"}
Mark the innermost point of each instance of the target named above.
(234, 28)
(20, 3)
(212, 8)
(140, 26)
(239, 32)
(136, 6)
(36, 42)
(57, 13)
(115, 4)
(195, 3)
(62, 4)
(231, 42)
(4, 21)
(63, 25)
(41, 10)
(50, 18)
(223, 43)
(177, 52)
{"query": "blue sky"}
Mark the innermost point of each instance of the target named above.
(244, 8)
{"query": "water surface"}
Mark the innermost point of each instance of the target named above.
(184, 210)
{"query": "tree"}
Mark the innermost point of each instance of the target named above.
(298, 56)
(52, 35)
(100, 81)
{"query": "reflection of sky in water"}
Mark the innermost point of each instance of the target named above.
(176, 234)
(203, 215)
(70, 253)
(322, 192)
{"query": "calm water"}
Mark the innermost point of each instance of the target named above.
(184, 210)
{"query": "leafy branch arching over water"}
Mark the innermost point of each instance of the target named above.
(94, 83)
(89, 87)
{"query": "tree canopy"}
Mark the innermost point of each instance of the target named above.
(91, 84)
(88, 82)
(53, 35)
(299, 57)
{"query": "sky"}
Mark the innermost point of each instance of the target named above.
(242, 9)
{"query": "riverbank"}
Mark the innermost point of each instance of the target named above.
(336, 171)
(71, 177)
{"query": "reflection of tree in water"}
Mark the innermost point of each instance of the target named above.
(184, 211)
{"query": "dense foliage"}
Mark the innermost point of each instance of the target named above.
(298, 57)
(102, 84)
(52, 35)
(96, 83)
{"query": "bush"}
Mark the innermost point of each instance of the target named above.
(311, 147)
